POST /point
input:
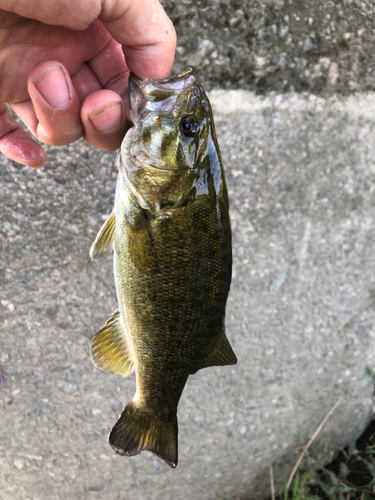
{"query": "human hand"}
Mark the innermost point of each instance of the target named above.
(63, 72)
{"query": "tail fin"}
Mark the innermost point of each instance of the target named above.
(136, 431)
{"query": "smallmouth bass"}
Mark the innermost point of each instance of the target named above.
(170, 233)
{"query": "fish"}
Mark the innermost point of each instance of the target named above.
(171, 237)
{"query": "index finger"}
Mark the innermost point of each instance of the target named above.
(146, 33)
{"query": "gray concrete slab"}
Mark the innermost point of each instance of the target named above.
(300, 315)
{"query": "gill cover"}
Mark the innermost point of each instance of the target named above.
(161, 155)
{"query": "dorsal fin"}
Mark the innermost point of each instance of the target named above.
(109, 350)
(103, 243)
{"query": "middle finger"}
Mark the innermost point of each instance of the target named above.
(53, 113)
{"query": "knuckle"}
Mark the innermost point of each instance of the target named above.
(57, 138)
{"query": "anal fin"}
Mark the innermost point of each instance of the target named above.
(103, 243)
(109, 350)
(222, 353)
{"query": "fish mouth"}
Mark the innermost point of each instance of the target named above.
(158, 95)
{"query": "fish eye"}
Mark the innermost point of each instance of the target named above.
(189, 126)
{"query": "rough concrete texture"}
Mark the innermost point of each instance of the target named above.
(300, 315)
(321, 46)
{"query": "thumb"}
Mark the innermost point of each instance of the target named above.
(146, 33)
(142, 27)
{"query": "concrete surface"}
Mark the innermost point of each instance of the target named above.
(300, 315)
(320, 46)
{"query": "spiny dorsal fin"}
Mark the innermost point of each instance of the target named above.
(103, 243)
(137, 430)
(222, 354)
(109, 350)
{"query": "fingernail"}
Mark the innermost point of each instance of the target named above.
(53, 86)
(107, 118)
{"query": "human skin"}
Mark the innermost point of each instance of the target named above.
(63, 71)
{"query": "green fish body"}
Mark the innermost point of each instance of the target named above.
(170, 232)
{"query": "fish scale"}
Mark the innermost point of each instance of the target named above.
(170, 232)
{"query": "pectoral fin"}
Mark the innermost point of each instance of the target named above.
(109, 350)
(103, 243)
